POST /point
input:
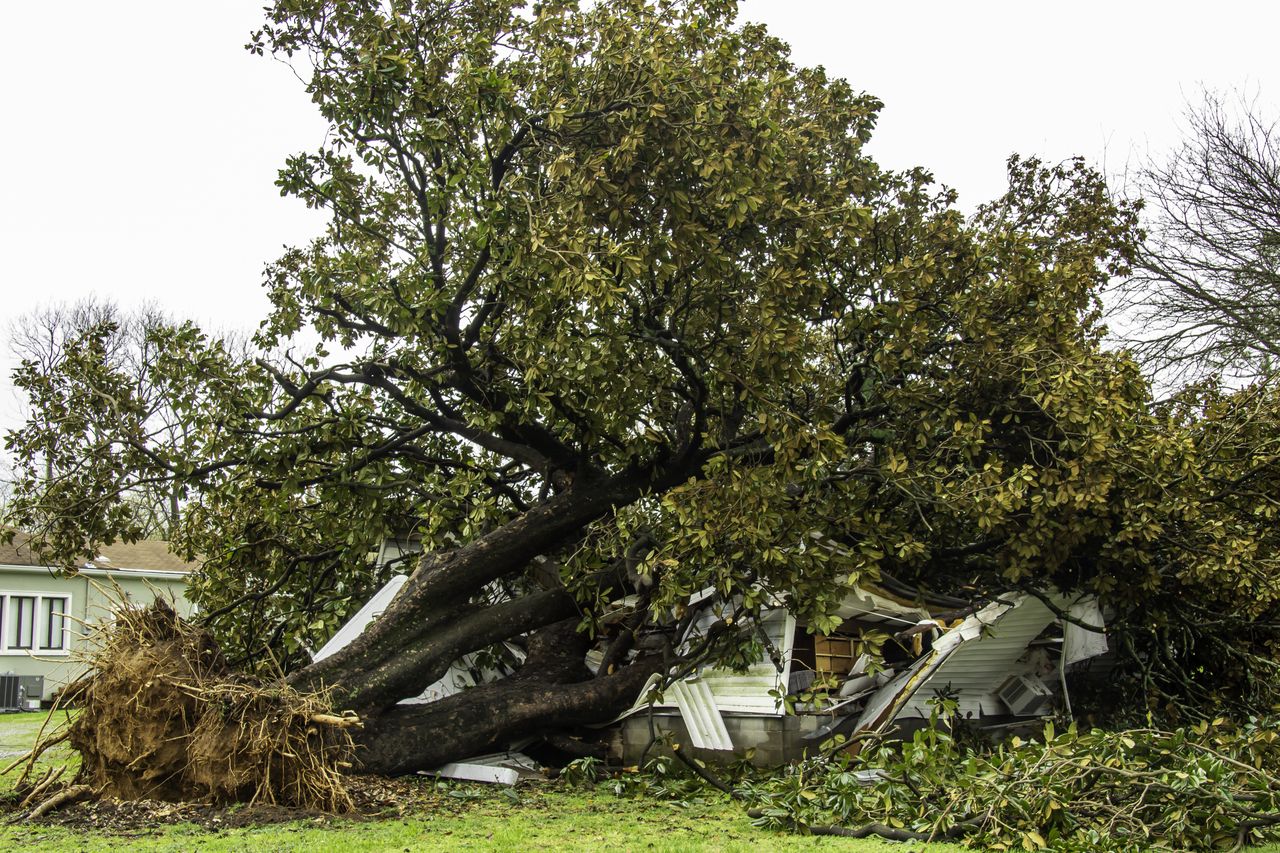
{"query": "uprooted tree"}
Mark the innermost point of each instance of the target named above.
(613, 304)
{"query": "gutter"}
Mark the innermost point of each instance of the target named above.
(154, 574)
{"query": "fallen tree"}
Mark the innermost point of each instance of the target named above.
(614, 308)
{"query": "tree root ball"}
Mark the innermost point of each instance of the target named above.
(162, 716)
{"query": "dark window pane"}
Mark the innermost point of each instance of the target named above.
(22, 619)
(55, 622)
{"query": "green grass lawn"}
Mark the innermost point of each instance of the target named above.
(449, 817)
(556, 820)
(17, 734)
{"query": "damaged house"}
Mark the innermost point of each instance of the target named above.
(1004, 663)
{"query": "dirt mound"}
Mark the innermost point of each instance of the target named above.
(163, 717)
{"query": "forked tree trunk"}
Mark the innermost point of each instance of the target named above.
(434, 621)
(552, 692)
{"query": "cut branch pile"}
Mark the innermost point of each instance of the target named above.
(162, 716)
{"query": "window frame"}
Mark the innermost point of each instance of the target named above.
(834, 654)
(46, 630)
(40, 623)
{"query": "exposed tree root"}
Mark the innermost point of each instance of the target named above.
(46, 782)
(163, 717)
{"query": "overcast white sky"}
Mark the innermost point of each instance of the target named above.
(139, 141)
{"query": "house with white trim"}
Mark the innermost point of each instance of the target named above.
(44, 611)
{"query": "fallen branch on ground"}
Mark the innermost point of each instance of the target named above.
(64, 797)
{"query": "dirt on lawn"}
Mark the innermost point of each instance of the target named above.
(374, 798)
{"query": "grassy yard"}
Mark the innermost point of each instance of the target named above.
(556, 820)
(444, 817)
(438, 817)
(17, 733)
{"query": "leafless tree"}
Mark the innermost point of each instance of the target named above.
(41, 338)
(1204, 297)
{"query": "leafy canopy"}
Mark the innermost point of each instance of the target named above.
(629, 249)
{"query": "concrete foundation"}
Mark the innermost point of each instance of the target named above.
(768, 740)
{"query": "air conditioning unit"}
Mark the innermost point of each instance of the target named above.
(1024, 696)
(30, 689)
(10, 692)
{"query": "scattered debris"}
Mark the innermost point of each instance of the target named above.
(66, 796)
(354, 627)
(999, 663)
(697, 706)
(470, 772)
(373, 796)
(1004, 663)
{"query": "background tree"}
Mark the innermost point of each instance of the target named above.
(613, 304)
(44, 343)
(1206, 286)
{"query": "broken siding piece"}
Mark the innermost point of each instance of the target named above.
(462, 675)
(1081, 643)
(977, 666)
(476, 773)
(866, 606)
(457, 678)
(974, 658)
(749, 692)
(701, 716)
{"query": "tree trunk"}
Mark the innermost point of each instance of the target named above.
(371, 672)
(553, 691)
(434, 621)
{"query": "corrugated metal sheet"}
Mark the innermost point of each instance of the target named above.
(701, 717)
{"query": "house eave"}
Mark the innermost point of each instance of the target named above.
(111, 574)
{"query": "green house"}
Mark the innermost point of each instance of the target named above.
(44, 612)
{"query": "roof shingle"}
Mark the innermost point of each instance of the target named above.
(144, 555)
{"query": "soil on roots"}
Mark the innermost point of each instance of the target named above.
(162, 717)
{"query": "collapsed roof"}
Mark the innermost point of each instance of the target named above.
(1001, 662)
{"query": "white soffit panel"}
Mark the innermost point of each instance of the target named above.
(372, 609)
